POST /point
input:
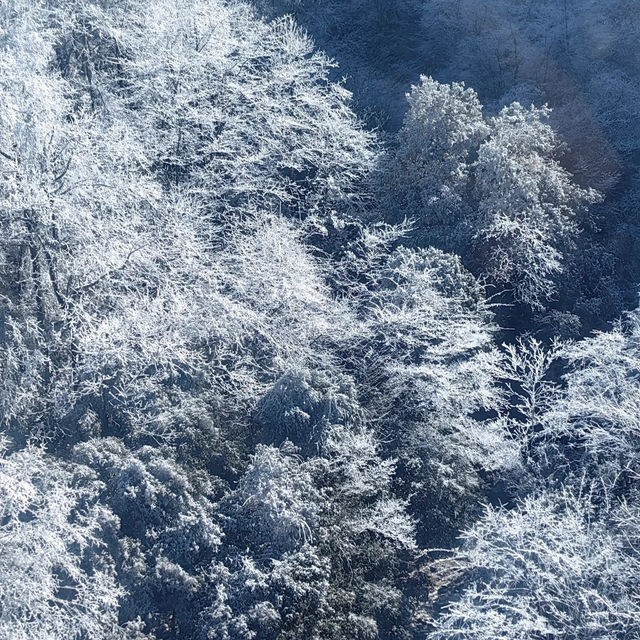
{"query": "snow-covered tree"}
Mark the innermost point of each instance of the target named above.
(312, 546)
(240, 109)
(431, 371)
(527, 204)
(167, 531)
(430, 170)
(594, 423)
(303, 406)
(491, 189)
(57, 575)
(121, 292)
(550, 567)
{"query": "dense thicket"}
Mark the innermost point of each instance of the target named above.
(252, 385)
